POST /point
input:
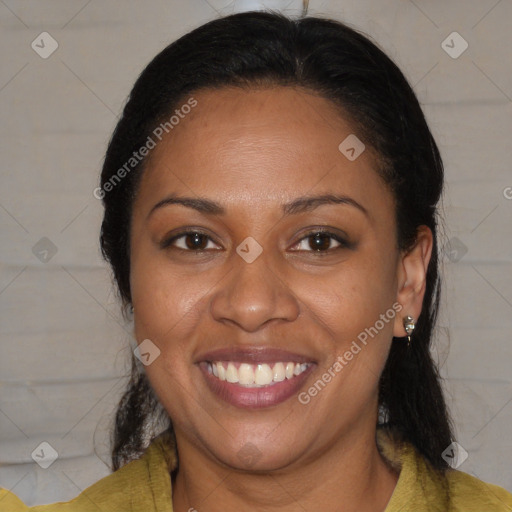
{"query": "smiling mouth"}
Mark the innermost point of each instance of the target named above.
(255, 384)
(255, 375)
(250, 377)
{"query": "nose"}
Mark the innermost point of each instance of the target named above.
(252, 295)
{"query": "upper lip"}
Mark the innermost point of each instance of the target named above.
(254, 355)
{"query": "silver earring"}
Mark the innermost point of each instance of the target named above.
(409, 325)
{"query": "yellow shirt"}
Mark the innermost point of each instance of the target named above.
(144, 485)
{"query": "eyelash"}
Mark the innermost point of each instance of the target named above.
(343, 243)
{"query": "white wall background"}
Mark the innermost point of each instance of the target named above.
(63, 343)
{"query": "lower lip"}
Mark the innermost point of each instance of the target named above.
(255, 398)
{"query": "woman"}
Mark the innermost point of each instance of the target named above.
(270, 215)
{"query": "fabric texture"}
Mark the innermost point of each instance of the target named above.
(144, 485)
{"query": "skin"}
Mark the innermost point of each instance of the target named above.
(251, 151)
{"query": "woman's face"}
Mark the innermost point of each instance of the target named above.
(286, 281)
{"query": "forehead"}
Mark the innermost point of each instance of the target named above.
(259, 145)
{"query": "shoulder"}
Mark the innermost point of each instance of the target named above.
(421, 488)
(10, 503)
(143, 484)
(466, 491)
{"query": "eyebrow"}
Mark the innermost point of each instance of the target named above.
(299, 205)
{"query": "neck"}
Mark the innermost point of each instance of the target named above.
(348, 477)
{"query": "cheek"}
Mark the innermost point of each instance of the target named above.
(352, 296)
(348, 304)
(168, 310)
(355, 309)
(165, 301)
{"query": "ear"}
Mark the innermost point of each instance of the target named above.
(412, 274)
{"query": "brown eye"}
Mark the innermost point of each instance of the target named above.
(190, 241)
(321, 242)
(195, 241)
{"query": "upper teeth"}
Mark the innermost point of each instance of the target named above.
(255, 375)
